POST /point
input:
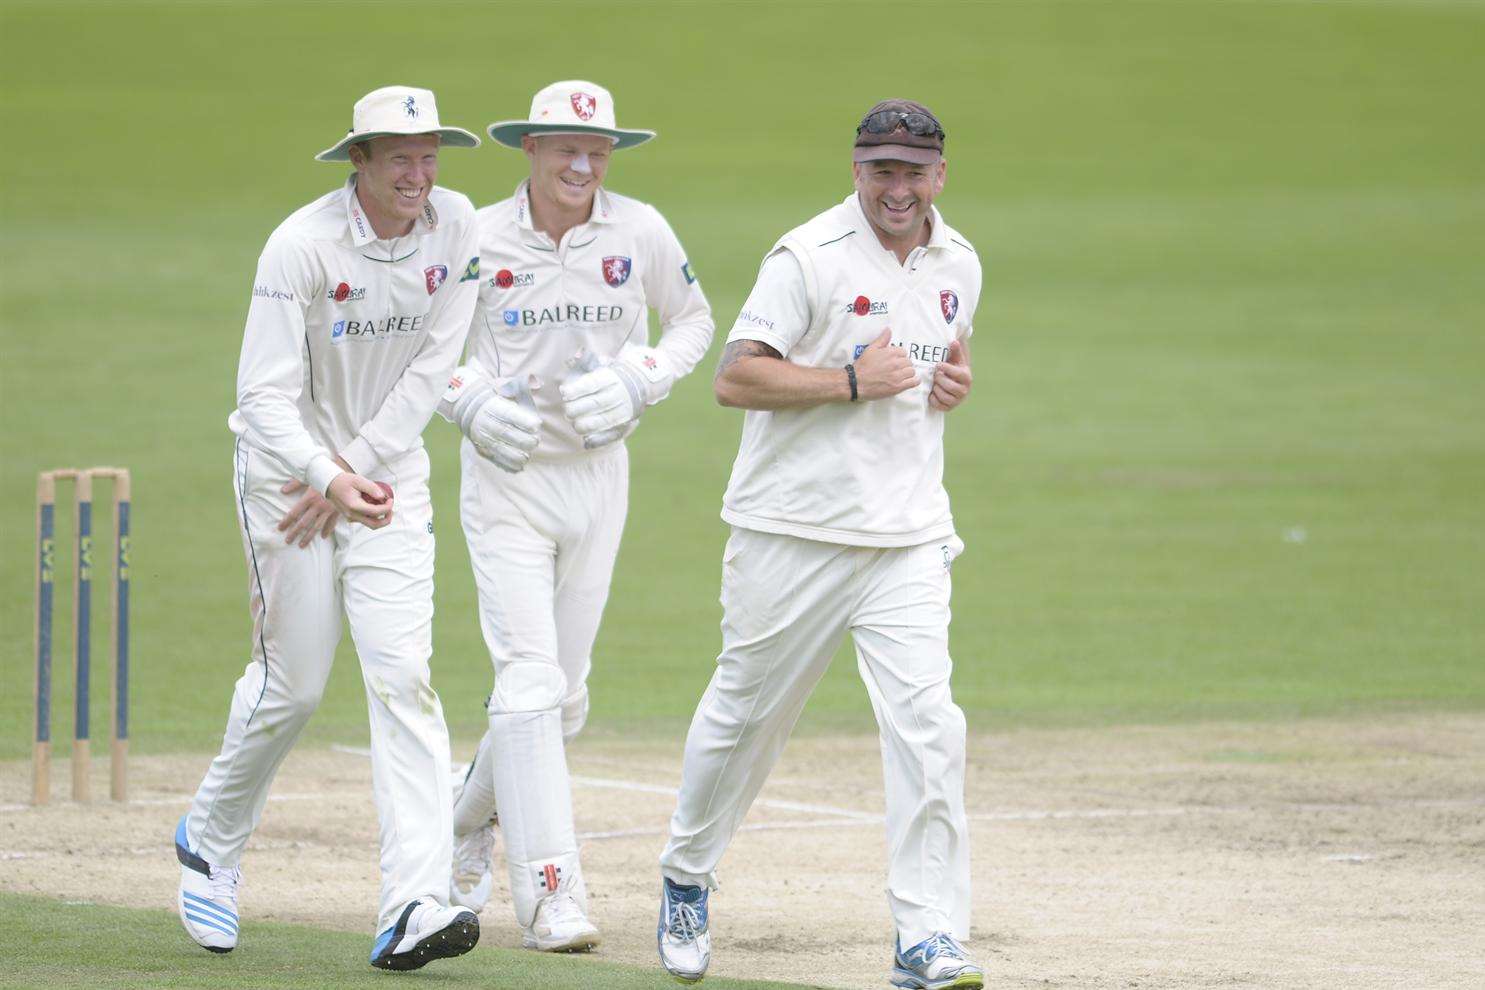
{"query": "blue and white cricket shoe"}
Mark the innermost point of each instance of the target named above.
(425, 931)
(936, 963)
(685, 942)
(207, 900)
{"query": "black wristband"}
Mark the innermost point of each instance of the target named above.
(851, 378)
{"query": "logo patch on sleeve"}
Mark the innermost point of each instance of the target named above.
(471, 271)
(686, 271)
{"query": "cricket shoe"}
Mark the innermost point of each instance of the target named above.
(560, 926)
(685, 942)
(207, 900)
(425, 931)
(936, 963)
(473, 875)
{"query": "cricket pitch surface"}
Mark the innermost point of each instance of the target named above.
(1321, 853)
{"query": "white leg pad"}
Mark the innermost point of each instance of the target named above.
(574, 713)
(476, 806)
(533, 792)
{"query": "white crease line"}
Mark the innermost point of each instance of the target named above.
(632, 833)
(815, 809)
(182, 801)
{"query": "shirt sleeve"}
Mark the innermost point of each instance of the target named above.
(777, 311)
(974, 303)
(271, 368)
(671, 289)
(405, 412)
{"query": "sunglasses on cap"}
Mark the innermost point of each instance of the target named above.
(887, 121)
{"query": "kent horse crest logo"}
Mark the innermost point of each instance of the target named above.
(410, 107)
(948, 301)
(615, 270)
(584, 105)
(434, 275)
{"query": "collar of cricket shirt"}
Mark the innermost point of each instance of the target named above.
(938, 235)
(360, 225)
(603, 207)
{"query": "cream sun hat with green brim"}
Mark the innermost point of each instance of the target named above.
(396, 110)
(569, 107)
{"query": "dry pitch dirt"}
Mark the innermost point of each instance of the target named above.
(1317, 854)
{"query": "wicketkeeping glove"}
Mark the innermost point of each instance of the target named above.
(605, 400)
(499, 417)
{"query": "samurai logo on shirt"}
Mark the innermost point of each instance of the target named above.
(344, 293)
(505, 278)
(615, 270)
(584, 105)
(863, 306)
(948, 301)
(435, 275)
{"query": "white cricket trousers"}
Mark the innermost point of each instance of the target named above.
(786, 603)
(543, 543)
(383, 580)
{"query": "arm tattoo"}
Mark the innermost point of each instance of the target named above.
(736, 350)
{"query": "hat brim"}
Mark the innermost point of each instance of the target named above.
(896, 153)
(510, 132)
(448, 137)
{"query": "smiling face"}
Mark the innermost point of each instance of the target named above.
(896, 196)
(566, 170)
(393, 178)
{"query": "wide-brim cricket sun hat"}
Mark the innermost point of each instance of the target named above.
(396, 110)
(573, 106)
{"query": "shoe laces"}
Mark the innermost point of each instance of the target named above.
(685, 921)
(562, 908)
(224, 882)
(472, 854)
(940, 944)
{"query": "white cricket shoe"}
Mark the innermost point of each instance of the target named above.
(683, 933)
(473, 875)
(207, 899)
(936, 963)
(425, 931)
(560, 926)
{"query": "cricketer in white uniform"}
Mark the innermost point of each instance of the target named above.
(559, 371)
(850, 348)
(357, 317)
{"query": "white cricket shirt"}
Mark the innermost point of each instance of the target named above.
(864, 473)
(350, 339)
(540, 303)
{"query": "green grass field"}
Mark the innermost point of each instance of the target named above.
(1229, 251)
(90, 946)
(1225, 456)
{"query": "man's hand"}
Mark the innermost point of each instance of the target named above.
(361, 500)
(951, 379)
(606, 400)
(311, 514)
(498, 417)
(882, 370)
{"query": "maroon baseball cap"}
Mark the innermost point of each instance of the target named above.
(899, 130)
